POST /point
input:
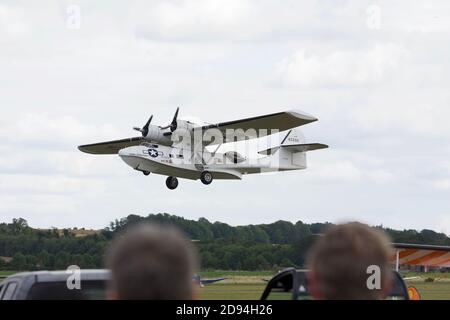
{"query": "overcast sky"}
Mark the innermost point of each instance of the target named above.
(375, 73)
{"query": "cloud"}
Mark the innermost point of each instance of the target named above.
(187, 20)
(12, 22)
(245, 21)
(425, 17)
(442, 184)
(45, 184)
(417, 118)
(54, 133)
(342, 68)
(39, 144)
(342, 171)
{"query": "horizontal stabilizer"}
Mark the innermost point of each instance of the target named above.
(295, 148)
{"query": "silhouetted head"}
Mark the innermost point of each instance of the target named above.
(151, 262)
(351, 261)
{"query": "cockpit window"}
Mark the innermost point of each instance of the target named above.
(149, 145)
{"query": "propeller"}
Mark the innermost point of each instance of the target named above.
(173, 124)
(144, 129)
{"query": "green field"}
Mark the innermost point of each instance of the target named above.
(249, 285)
(252, 291)
(4, 274)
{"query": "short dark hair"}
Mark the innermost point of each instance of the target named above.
(339, 262)
(152, 262)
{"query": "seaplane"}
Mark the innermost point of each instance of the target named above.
(189, 150)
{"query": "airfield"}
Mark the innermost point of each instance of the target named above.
(249, 285)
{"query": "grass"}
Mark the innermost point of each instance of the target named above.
(253, 291)
(232, 291)
(433, 290)
(250, 285)
(238, 285)
(439, 289)
(4, 274)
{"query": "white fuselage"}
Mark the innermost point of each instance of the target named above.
(184, 163)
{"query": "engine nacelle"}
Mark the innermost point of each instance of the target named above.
(168, 138)
(156, 134)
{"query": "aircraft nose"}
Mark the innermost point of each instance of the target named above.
(129, 157)
(125, 151)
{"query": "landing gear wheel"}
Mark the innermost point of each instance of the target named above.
(171, 183)
(206, 177)
(146, 173)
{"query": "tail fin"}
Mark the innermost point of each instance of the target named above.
(293, 136)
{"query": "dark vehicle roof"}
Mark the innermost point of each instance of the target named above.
(61, 275)
(53, 285)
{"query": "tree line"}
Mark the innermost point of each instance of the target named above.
(220, 246)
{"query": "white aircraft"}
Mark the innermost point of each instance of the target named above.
(181, 149)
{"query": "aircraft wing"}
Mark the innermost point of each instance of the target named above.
(208, 281)
(421, 255)
(280, 121)
(110, 147)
